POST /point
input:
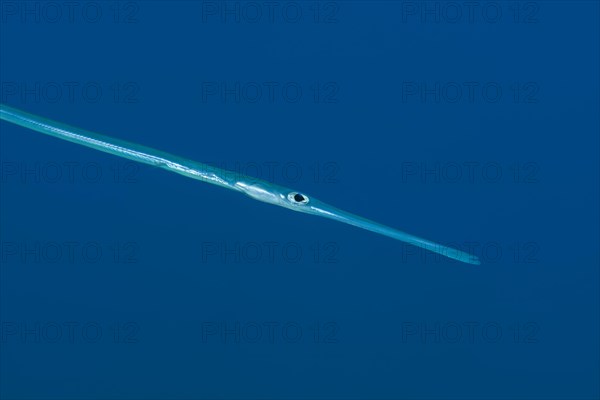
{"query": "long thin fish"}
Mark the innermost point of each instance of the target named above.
(255, 188)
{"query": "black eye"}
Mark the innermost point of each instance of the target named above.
(298, 198)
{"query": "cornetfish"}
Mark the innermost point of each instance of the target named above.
(255, 188)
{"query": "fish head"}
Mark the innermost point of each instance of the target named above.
(277, 195)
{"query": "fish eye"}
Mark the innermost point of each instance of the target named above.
(298, 198)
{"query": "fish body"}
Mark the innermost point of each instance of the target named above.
(257, 189)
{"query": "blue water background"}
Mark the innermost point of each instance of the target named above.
(184, 289)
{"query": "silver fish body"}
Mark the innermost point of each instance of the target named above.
(255, 188)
